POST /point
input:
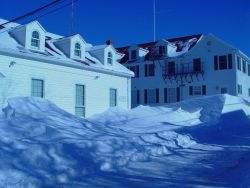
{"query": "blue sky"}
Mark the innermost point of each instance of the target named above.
(131, 21)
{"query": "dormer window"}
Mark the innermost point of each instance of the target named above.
(78, 50)
(35, 40)
(162, 50)
(133, 54)
(110, 58)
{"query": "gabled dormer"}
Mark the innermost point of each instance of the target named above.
(31, 36)
(73, 47)
(133, 52)
(161, 48)
(106, 54)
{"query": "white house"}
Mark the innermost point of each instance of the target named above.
(78, 77)
(171, 70)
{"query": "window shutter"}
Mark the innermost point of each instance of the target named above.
(138, 96)
(178, 94)
(146, 70)
(204, 90)
(165, 95)
(157, 95)
(137, 71)
(216, 62)
(191, 90)
(145, 96)
(230, 61)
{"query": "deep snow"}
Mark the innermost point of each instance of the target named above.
(202, 142)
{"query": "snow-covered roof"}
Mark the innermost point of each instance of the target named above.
(9, 46)
(176, 46)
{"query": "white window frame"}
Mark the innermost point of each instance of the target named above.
(111, 104)
(239, 89)
(110, 58)
(43, 88)
(80, 106)
(35, 40)
(78, 50)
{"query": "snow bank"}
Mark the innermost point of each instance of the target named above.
(194, 143)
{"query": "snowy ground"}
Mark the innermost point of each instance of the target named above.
(197, 143)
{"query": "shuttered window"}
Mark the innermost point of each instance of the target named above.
(157, 95)
(216, 62)
(238, 63)
(230, 63)
(145, 96)
(165, 95)
(191, 90)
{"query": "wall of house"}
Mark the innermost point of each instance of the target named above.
(214, 80)
(243, 78)
(59, 84)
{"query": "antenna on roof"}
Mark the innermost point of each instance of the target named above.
(154, 18)
(71, 18)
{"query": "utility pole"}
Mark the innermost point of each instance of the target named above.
(71, 19)
(154, 19)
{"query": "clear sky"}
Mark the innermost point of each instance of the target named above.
(131, 21)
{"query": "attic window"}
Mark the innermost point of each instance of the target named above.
(110, 58)
(35, 39)
(78, 50)
(162, 50)
(133, 54)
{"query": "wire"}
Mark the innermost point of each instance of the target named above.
(40, 16)
(32, 12)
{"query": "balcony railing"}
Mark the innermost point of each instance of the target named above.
(172, 69)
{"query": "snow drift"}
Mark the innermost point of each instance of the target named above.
(194, 143)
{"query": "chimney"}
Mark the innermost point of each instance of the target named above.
(110, 42)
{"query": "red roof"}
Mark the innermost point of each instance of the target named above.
(150, 45)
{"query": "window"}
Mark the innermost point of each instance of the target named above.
(197, 90)
(222, 62)
(151, 96)
(37, 88)
(171, 68)
(135, 97)
(80, 101)
(110, 58)
(197, 65)
(149, 70)
(136, 70)
(172, 95)
(244, 66)
(223, 90)
(239, 89)
(238, 63)
(35, 40)
(134, 54)
(112, 97)
(162, 50)
(78, 52)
